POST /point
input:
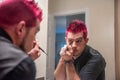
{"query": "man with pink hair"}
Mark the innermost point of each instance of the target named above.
(19, 23)
(78, 61)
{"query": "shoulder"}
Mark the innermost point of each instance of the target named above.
(9, 50)
(96, 57)
(94, 67)
(12, 53)
(10, 57)
(25, 70)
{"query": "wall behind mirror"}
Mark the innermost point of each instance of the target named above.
(100, 20)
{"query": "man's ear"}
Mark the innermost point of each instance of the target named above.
(20, 29)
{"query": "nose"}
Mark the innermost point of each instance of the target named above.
(74, 44)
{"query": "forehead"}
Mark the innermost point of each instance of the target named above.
(38, 24)
(74, 35)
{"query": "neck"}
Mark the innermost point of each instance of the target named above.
(11, 32)
(4, 34)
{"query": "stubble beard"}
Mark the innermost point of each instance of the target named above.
(22, 46)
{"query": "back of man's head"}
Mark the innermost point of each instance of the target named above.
(14, 11)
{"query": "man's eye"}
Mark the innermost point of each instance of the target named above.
(70, 42)
(78, 41)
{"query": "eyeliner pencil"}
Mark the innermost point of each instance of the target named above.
(42, 50)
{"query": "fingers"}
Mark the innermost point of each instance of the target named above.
(35, 44)
(62, 52)
(34, 53)
(66, 53)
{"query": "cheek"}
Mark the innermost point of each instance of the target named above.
(29, 42)
(81, 48)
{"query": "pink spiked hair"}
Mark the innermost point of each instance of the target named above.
(14, 11)
(77, 26)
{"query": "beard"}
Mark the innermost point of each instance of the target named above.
(22, 46)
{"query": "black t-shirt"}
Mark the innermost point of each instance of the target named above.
(90, 65)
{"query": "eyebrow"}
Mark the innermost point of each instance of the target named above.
(76, 38)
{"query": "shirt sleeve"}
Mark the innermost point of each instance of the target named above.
(24, 71)
(93, 68)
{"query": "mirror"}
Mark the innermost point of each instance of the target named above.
(99, 18)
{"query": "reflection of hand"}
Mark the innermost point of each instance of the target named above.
(63, 50)
(66, 53)
(34, 53)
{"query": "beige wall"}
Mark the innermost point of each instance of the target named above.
(41, 62)
(117, 37)
(100, 21)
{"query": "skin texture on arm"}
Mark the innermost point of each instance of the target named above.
(60, 73)
(71, 73)
(66, 70)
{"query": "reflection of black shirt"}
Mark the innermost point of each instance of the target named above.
(14, 63)
(90, 65)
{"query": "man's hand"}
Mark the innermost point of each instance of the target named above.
(34, 53)
(66, 53)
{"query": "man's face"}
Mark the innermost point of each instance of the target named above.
(27, 43)
(76, 43)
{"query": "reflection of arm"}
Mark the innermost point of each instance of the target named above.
(71, 72)
(60, 70)
(94, 68)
